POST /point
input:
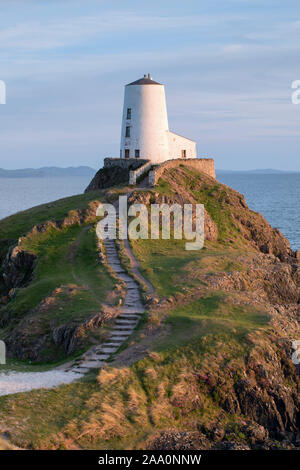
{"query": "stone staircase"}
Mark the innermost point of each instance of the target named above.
(124, 324)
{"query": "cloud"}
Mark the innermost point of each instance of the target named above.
(228, 78)
(39, 36)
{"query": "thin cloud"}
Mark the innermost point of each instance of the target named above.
(38, 36)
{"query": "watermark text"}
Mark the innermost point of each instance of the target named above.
(157, 221)
(2, 92)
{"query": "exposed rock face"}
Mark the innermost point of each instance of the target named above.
(68, 337)
(17, 269)
(115, 172)
(107, 177)
(271, 279)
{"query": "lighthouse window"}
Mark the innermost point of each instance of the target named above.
(183, 153)
(128, 113)
(137, 154)
(127, 134)
(127, 153)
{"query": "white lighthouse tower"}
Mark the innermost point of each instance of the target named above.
(145, 130)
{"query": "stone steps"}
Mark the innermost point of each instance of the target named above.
(124, 325)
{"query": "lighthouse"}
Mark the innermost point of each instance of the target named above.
(145, 130)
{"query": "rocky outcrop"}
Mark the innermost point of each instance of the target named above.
(67, 338)
(265, 276)
(71, 337)
(115, 172)
(17, 269)
(108, 177)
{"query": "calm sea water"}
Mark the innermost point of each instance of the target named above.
(276, 197)
(17, 194)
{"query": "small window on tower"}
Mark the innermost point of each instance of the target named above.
(137, 154)
(127, 134)
(183, 153)
(128, 113)
(127, 153)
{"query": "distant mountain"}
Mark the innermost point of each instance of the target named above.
(48, 172)
(264, 171)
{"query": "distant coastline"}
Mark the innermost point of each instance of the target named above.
(48, 172)
(55, 172)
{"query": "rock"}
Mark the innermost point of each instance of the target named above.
(17, 269)
(256, 433)
(70, 337)
(229, 445)
(210, 228)
(218, 433)
(107, 177)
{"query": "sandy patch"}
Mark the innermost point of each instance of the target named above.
(16, 382)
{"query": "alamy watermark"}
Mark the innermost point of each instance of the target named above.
(296, 93)
(2, 92)
(156, 221)
(2, 353)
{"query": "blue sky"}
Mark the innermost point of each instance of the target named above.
(227, 65)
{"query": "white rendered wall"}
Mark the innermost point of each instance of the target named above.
(177, 143)
(148, 124)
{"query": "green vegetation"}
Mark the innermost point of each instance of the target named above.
(215, 198)
(170, 268)
(14, 226)
(167, 389)
(69, 284)
(214, 315)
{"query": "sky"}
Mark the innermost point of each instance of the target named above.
(227, 66)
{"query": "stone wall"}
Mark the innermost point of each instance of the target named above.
(135, 174)
(204, 165)
(128, 163)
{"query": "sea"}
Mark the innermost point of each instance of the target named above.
(275, 196)
(18, 194)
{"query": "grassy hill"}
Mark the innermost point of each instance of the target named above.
(68, 287)
(210, 366)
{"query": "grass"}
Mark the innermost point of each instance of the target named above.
(125, 407)
(69, 285)
(14, 226)
(213, 314)
(56, 267)
(171, 269)
(213, 196)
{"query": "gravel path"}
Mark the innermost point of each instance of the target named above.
(16, 382)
